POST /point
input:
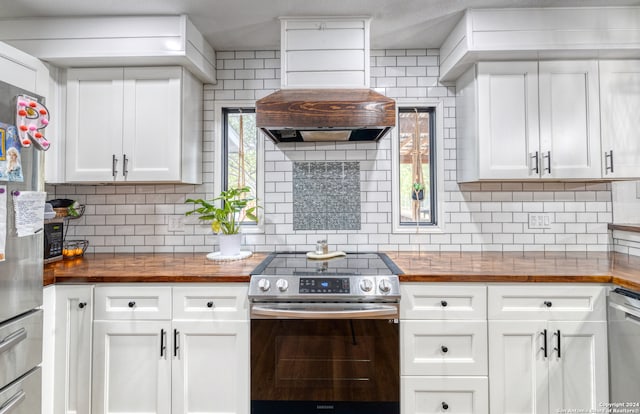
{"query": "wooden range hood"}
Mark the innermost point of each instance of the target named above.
(322, 115)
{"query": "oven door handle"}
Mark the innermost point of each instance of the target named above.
(377, 312)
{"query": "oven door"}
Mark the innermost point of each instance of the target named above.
(327, 358)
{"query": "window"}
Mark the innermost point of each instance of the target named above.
(240, 150)
(416, 181)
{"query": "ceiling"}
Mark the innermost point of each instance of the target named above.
(254, 25)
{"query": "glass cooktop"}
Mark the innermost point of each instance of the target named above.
(353, 264)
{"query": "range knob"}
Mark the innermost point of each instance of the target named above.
(264, 285)
(366, 285)
(384, 286)
(282, 285)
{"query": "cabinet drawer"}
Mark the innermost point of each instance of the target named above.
(555, 302)
(222, 302)
(132, 303)
(425, 395)
(434, 301)
(443, 347)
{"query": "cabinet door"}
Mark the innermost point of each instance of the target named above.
(131, 367)
(619, 106)
(152, 130)
(517, 367)
(578, 369)
(569, 119)
(72, 361)
(211, 367)
(94, 124)
(507, 119)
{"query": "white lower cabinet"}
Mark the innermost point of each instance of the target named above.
(547, 366)
(131, 367)
(578, 370)
(71, 385)
(210, 368)
(443, 349)
(150, 349)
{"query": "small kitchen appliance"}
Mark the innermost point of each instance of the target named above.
(325, 335)
(53, 240)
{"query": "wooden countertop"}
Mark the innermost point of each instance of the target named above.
(579, 267)
(624, 227)
(151, 268)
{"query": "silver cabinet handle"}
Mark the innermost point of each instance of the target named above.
(547, 157)
(13, 402)
(12, 340)
(114, 164)
(125, 164)
(608, 166)
(536, 163)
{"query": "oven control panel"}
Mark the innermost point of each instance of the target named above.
(263, 287)
(324, 285)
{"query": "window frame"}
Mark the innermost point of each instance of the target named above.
(436, 121)
(221, 174)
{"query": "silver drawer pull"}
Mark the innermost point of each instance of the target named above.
(13, 402)
(12, 340)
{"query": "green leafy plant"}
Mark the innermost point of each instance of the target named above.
(235, 207)
(417, 187)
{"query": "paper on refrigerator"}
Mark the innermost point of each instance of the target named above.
(3, 221)
(29, 209)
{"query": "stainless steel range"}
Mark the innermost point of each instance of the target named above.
(324, 335)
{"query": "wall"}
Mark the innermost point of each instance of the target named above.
(488, 216)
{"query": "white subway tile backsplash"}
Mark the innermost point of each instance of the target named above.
(491, 216)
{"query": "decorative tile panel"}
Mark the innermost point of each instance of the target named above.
(326, 196)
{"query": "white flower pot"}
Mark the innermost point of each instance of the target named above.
(230, 244)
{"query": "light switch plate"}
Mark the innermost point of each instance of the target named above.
(539, 220)
(175, 223)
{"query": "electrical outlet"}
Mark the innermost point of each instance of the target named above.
(176, 223)
(539, 220)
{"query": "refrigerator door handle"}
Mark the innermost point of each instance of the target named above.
(13, 402)
(12, 340)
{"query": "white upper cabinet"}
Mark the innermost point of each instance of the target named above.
(540, 33)
(23, 71)
(507, 119)
(569, 119)
(620, 106)
(528, 120)
(93, 41)
(133, 125)
(327, 52)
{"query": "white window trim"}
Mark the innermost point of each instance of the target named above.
(219, 136)
(439, 227)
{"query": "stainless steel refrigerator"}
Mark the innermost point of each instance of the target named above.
(21, 286)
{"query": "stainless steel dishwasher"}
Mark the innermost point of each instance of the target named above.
(624, 346)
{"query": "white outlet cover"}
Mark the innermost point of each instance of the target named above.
(539, 220)
(175, 223)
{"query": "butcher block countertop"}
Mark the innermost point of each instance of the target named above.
(579, 267)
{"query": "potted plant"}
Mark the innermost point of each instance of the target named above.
(226, 212)
(417, 191)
